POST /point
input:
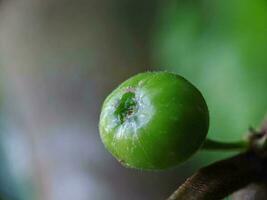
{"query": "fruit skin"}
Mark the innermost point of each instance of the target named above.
(154, 120)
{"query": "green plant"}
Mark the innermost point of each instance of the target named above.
(156, 120)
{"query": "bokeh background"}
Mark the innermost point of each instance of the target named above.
(60, 58)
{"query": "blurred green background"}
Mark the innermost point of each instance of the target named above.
(59, 59)
(221, 47)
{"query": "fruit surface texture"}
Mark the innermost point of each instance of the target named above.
(154, 120)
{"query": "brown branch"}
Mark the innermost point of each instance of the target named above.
(222, 178)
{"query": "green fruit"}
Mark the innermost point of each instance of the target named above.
(154, 120)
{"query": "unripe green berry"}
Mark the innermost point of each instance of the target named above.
(154, 120)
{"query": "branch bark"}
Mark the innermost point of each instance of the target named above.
(222, 178)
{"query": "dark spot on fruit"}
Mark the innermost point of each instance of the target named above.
(126, 106)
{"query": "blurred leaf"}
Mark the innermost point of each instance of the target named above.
(220, 46)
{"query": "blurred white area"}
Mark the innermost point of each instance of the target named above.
(59, 59)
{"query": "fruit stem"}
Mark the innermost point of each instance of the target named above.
(225, 146)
